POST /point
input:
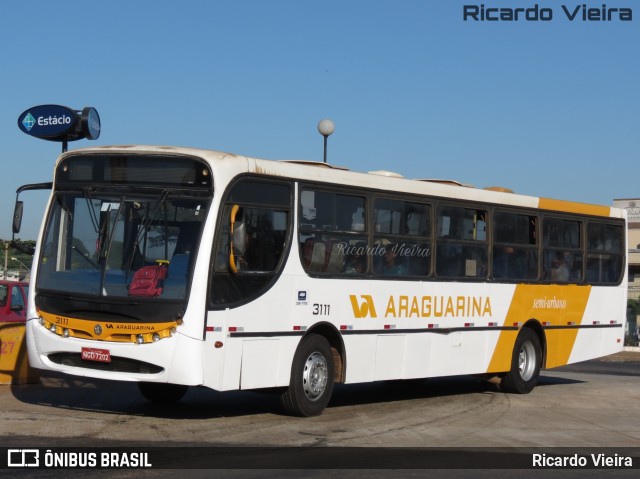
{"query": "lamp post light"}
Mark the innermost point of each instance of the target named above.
(18, 261)
(326, 127)
(20, 269)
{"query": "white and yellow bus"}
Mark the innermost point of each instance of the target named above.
(177, 267)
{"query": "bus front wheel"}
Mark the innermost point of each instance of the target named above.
(162, 393)
(525, 364)
(311, 382)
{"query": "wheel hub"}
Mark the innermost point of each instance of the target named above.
(527, 361)
(315, 376)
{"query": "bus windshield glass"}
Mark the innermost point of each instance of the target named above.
(94, 244)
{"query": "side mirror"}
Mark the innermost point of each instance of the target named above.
(17, 216)
(26, 249)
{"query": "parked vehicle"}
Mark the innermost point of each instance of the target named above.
(13, 298)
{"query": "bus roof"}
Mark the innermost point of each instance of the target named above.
(229, 165)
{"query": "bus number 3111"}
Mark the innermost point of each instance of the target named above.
(321, 309)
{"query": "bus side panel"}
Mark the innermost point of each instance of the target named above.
(461, 352)
(246, 359)
(186, 361)
(444, 317)
(361, 357)
(462, 340)
(390, 357)
(384, 357)
(572, 318)
(604, 321)
(231, 365)
(260, 361)
(417, 356)
(266, 362)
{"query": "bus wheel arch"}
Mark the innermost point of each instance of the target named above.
(526, 361)
(333, 336)
(536, 326)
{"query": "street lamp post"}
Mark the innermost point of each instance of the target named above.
(20, 269)
(6, 255)
(326, 127)
(18, 261)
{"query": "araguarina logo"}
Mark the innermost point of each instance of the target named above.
(363, 308)
(406, 306)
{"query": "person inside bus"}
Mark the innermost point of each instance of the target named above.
(356, 264)
(559, 269)
(509, 263)
(390, 265)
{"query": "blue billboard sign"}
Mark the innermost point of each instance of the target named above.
(60, 123)
(49, 122)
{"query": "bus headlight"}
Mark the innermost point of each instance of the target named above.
(140, 339)
(156, 337)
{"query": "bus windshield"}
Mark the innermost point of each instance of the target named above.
(95, 241)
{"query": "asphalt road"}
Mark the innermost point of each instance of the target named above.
(591, 407)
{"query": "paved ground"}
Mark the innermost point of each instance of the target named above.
(593, 405)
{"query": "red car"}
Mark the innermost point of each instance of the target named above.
(13, 301)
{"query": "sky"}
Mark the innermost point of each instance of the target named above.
(546, 108)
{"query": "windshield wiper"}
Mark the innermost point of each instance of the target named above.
(92, 214)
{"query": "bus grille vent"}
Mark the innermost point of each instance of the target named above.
(117, 364)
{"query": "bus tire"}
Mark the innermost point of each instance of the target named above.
(525, 364)
(311, 382)
(162, 393)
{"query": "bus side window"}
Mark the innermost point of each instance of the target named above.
(462, 249)
(259, 213)
(604, 253)
(563, 254)
(402, 229)
(331, 223)
(515, 253)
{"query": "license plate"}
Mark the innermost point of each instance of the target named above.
(94, 354)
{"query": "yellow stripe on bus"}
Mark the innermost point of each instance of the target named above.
(572, 207)
(562, 307)
(105, 330)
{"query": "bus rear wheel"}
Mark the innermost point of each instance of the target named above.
(162, 393)
(311, 382)
(525, 364)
